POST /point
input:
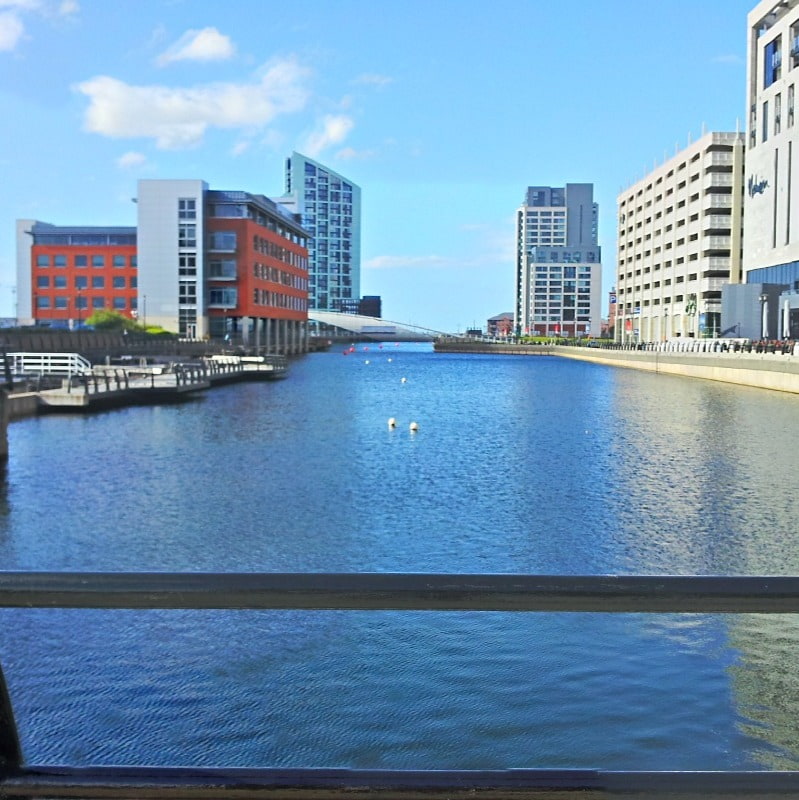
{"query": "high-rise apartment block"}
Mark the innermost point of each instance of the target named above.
(679, 241)
(329, 206)
(558, 262)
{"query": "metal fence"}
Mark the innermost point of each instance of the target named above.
(412, 592)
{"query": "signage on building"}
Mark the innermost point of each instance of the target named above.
(755, 186)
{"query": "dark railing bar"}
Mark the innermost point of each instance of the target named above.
(393, 591)
(144, 782)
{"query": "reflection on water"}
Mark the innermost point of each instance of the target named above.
(535, 465)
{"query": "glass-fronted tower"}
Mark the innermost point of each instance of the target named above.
(330, 209)
(558, 262)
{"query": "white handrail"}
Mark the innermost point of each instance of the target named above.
(48, 364)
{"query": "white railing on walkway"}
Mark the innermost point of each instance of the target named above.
(48, 364)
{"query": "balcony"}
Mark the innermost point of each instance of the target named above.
(384, 592)
(716, 243)
(717, 179)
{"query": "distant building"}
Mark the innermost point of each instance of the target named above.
(222, 264)
(201, 263)
(500, 325)
(329, 206)
(370, 306)
(771, 190)
(679, 242)
(612, 310)
(558, 262)
(67, 272)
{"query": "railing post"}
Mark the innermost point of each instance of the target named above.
(10, 751)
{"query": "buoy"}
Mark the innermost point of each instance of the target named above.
(392, 423)
(403, 380)
(389, 361)
(414, 427)
(367, 361)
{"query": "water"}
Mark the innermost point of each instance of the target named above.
(535, 465)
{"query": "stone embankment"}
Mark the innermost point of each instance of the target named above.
(766, 370)
(774, 367)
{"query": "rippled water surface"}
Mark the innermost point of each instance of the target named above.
(535, 465)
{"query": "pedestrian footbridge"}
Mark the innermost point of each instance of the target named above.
(338, 325)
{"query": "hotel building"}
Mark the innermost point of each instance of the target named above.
(558, 262)
(329, 206)
(679, 241)
(771, 200)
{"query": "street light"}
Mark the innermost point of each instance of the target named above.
(764, 316)
(79, 308)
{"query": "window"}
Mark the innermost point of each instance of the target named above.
(98, 261)
(120, 304)
(222, 269)
(43, 282)
(119, 261)
(223, 297)
(187, 235)
(118, 282)
(772, 67)
(98, 302)
(81, 302)
(60, 282)
(187, 208)
(764, 122)
(61, 302)
(790, 105)
(60, 261)
(222, 240)
(81, 261)
(81, 282)
(134, 282)
(777, 112)
(98, 282)
(187, 265)
(42, 302)
(42, 261)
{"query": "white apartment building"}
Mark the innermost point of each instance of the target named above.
(679, 241)
(330, 206)
(558, 262)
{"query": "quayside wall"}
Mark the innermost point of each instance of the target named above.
(776, 371)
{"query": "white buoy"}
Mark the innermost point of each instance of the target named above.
(389, 361)
(403, 380)
(414, 427)
(392, 423)
(367, 361)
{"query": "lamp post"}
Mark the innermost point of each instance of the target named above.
(78, 303)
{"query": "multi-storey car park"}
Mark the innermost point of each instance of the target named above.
(679, 242)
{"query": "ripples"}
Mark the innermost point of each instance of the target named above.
(532, 465)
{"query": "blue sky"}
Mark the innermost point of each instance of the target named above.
(442, 111)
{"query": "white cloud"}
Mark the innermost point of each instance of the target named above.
(179, 117)
(131, 159)
(372, 79)
(68, 8)
(333, 130)
(11, 30)
(728, 58)
(207, 44)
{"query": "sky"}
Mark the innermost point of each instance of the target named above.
(442, 111)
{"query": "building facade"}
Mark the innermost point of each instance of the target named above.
(66, 273)
(329, 206)
(202, 263)
(771, 200)
(221, 264)
(558, 262)
(679, 242)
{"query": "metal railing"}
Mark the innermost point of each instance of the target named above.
(412, 592)
(48, 364)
